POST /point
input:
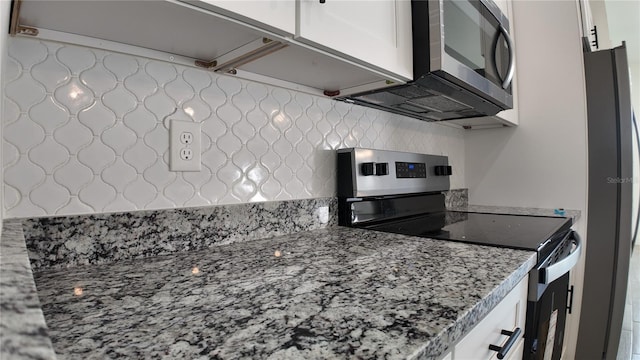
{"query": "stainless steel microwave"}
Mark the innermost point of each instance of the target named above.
(463, 61)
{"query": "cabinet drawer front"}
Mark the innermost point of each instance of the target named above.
(517, 351)
(509, 314)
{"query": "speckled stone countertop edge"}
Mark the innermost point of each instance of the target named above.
(23, 330)
(68, 241)
(437, 347)
(486, 305)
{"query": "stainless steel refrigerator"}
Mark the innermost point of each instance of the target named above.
(610, 220)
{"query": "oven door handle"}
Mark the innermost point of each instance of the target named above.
(563, 266)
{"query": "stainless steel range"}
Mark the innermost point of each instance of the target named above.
(402, 193)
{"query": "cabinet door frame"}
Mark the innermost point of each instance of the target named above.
(277, 16)
(318, 26)
(508, 314)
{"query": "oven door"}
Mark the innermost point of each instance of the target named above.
(473, 47)
(546, 318)
(547, 301)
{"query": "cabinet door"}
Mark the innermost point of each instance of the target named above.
(509, 314)
(517, 351)
(167, 26)
(278, 16)
(374, 33)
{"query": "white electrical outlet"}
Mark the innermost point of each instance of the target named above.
(184, 146)
(186, 137)
(323, 214)
(186, 154)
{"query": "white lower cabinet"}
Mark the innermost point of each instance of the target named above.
(508, 315)
(518, 350)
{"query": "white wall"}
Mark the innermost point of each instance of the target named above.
(624, 25)
(5, 10)
(543, 161)
(85, 132)
(634, 70)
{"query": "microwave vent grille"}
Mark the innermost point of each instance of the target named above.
(412, 108)
(411, 92)
(439, 103)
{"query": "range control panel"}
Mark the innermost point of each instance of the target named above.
(369, 172)
(411, 170)
(370, 168)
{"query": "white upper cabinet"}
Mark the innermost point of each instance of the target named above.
(167, 26)
(376, 33)
(252, 39)
(278, 16)
(504, 6)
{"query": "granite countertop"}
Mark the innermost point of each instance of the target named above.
(321, 294)
(23, 331)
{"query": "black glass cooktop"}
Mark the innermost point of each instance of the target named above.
(512, 231)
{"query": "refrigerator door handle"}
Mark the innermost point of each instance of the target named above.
(563, 266)
(634, 120)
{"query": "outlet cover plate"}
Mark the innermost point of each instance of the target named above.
(178, 128)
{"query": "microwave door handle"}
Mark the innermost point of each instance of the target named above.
(563, 266)
(512, 64)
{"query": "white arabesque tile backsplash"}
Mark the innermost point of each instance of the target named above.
(86, 131)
